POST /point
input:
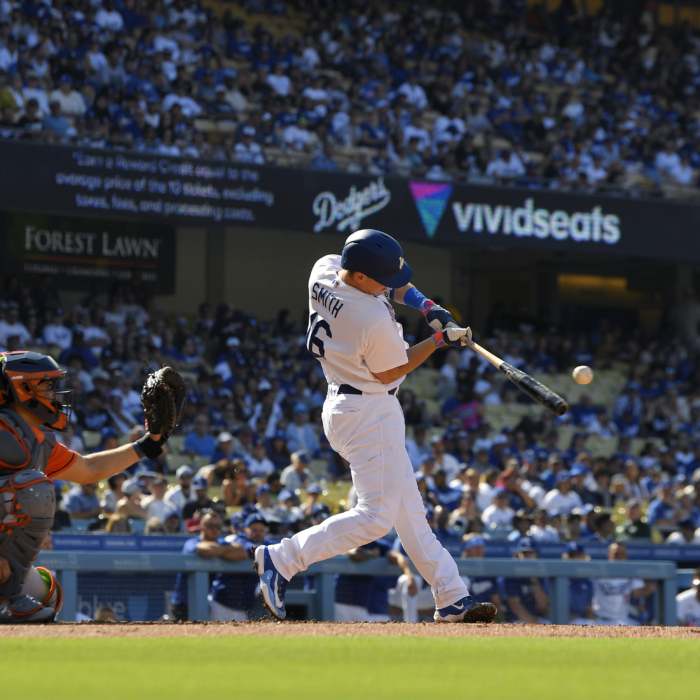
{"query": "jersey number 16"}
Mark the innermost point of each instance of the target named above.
(312, 339)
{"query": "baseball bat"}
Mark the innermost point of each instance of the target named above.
(536, 391)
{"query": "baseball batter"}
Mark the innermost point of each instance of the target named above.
(354, 334)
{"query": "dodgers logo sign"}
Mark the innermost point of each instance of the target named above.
(431, 201)
(348, 213)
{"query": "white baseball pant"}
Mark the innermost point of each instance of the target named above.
(369, 432)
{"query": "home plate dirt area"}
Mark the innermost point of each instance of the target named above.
(83, 630)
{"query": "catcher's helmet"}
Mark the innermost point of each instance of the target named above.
(378, 256)
(20, 375)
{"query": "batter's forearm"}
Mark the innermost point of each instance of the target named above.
(417, 355)
(398, 294)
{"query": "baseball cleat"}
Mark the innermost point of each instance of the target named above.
(273, 586)
(466, 610)
(23, 609)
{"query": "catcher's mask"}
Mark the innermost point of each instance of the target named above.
(21, 373)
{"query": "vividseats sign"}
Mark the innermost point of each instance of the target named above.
(141, 187)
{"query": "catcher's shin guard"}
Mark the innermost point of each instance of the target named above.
(42, 585)
(27, 506)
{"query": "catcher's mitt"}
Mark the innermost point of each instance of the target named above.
(163, 398)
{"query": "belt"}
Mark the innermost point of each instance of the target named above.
(347, 389)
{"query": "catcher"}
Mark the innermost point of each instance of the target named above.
(31, 408)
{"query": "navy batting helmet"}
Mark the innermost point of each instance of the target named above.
(378, 256)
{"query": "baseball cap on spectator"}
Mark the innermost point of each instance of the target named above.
(685, 524)
(475, 541)
(184, 470)
(264, 385)
(107, 433)
(66, 78)
(575, 548)
(618, 479)
(199, 482)
(300, 409)
(314, 488)
(248, 131)
(285, 495)
(500, 492)
(525, 544)
(561, 477)
(130, 487)
(666, 484)
(320, 508)
(633, 503)
(529, 456)
(578, 469)
(320, 511)
(280, 435)
(232, 342)
(436, 438)
(302, 456)
(263, 488)
(254, 518)
(500, 440)
(224, 437)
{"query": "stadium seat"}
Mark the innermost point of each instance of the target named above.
(176, 444)
(91, 438)
(318, 467)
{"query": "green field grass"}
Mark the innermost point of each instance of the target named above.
(281, 668)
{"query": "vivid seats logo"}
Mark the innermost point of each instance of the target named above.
(431, 201)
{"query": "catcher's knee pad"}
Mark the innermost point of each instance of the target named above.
(42, 585)
(27, 507)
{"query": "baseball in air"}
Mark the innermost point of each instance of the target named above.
(583, 375)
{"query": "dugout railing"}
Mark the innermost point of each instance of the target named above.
(320, 601)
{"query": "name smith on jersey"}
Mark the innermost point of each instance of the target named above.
(323, 296)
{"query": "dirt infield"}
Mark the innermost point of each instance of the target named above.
(84, 630)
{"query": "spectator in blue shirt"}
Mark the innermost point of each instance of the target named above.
(79, 349)
(232, 595)
(446, 536)
(663, 511)
(526, 599)
(82, 502)
(200, 443)
(443, 494)
(580, 589)
(300, 433)
(205, 545)
(55, 121)
(224, 448)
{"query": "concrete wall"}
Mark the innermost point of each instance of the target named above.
(190, 273)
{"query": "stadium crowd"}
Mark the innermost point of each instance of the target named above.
(249, 460)
(488, 91)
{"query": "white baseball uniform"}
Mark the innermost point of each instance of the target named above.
(355, 335)
(611, 600)
(688, 608)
